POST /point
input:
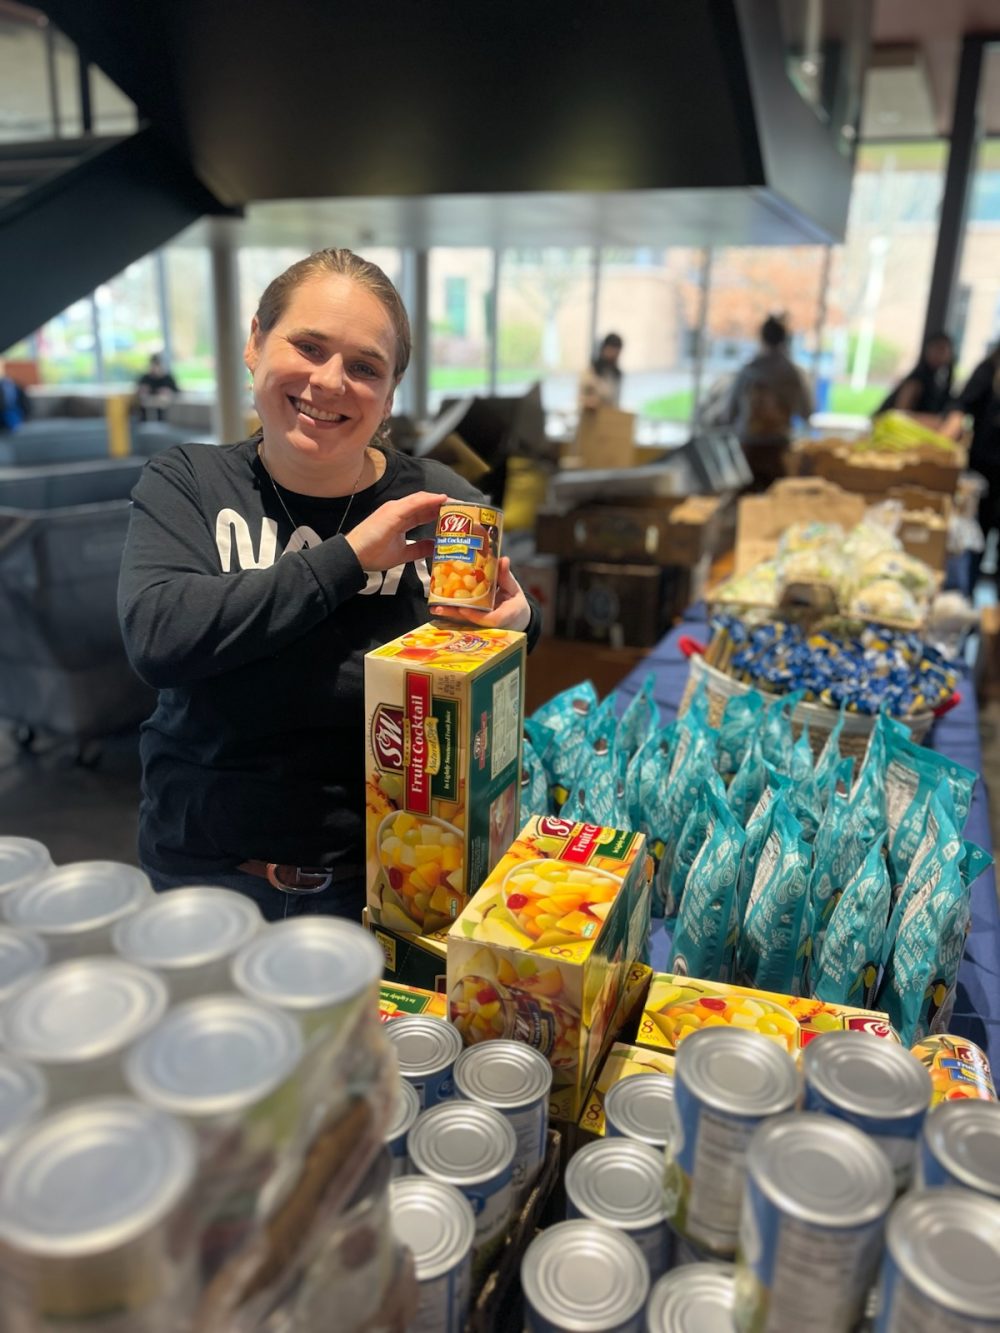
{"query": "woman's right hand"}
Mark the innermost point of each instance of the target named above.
(380, 542)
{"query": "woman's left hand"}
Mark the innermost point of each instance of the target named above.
(510, 610)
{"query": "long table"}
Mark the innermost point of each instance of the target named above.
(977, 1007)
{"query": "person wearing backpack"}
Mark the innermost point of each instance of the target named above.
(769, 393)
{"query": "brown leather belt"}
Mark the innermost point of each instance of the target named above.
(290, 879)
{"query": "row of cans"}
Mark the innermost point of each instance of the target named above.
(468, 1139)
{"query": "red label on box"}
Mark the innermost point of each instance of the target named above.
(387, 738)
(581, 848)
(418, 707)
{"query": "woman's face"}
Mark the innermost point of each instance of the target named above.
(323, 377)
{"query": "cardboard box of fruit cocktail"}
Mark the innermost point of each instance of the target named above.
(622, 1062)
(444, 709)
(543, 951)
(678, 1005)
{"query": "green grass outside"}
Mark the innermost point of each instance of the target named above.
(677, 406)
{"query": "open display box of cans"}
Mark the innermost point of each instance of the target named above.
(677, 1006)
(543, 951)
(444, 709)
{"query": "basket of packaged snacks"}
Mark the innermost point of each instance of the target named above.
(835, 670)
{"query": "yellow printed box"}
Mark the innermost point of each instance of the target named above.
(543, 951)
(678, 1005)
(444, 709)
(623, 1061)
(396, 1000)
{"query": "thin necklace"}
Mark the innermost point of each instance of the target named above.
(281, 498)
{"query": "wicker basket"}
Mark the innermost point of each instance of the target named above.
(720, 688)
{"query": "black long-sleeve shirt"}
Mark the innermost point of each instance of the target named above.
(255, 635)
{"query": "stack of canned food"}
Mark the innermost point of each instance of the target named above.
(192, 1108)
(468, 1138)
(830, 1198)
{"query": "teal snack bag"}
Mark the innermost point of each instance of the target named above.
(834, 853)
(772, 936)
(802, 767)
(912, 775)
(693, 763)
(534, 783)
(974, 861)
(704, 942)
(740, 724)
(639, 721)
(647, 774)
(758, 829)
(566, 716)
(750, 782)
(848, 968)
(646, 780)
(940, 842)
(829, 757)
(689, 844)
(597, 795)
(922, 972)
(803, 792)
(777, 737)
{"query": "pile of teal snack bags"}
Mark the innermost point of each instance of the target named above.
(776, 869)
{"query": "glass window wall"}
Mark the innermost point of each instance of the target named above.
(459, 296)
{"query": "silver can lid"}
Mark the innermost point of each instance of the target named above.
(308, 963)
(503, 1074)
(737, 1072)
(964, 1136)
(23, 1094)
(423, 1045)
(82, 1010)
(187, 928)
(214, 1056)
(462, 1143)
(405, 1109)
(821, 1170)
(867, 1075)
(697, 1298)
(78, 897)
(640, 1107)
(22, 954)
(617, 1181)
(585, 1276)
(946, 1242)
(22, 861)
(434, 1222)
(92, 1177)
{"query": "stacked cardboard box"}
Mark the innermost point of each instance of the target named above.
(626, 571)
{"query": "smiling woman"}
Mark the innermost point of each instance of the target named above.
(255, 578)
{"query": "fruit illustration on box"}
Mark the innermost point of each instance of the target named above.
(552, 902)
(518, 1000)
(422, 861)
(681, 1012)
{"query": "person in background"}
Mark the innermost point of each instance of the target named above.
(769, 394)
(927, 388)
(255, 578)
(980, 399)
(601, 382)
(15, 407)
(155, 389)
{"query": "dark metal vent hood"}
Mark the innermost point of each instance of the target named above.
(684, 106)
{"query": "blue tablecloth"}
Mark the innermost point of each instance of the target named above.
(977, 1008)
